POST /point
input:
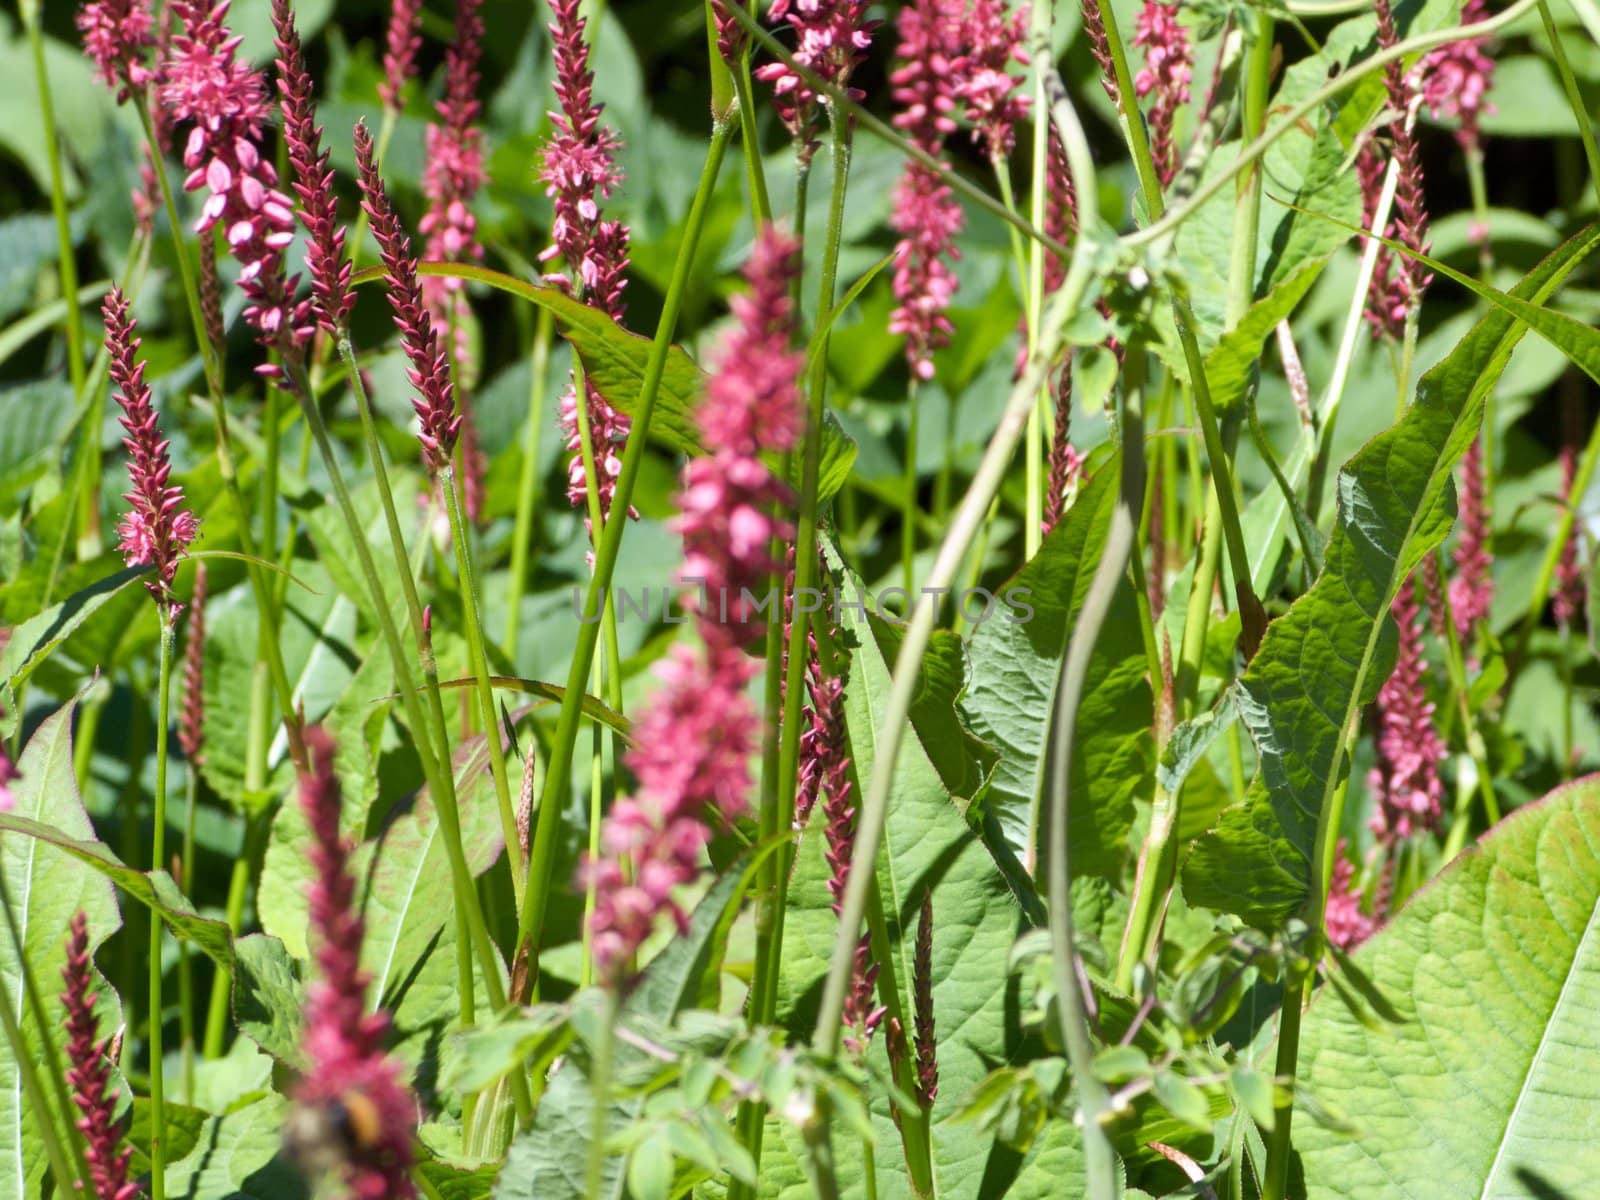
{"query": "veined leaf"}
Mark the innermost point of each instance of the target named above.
(46, 886)
(33, 640)
(1305, 688)
(928, 848)
(1016, 658)
(614, 362)
(1487, 1087)
(153, 889)
(237, 1156)
(547, 1160)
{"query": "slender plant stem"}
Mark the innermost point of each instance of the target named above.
(158, 842)
(68, 266)
(1033, 292)
(750, 141)
(238, 888)
(964, 527)
(599, 1089)
(473, 619)
(186, 1038)
(440, 782)
(536, 896)
(1100, 1161)
(774, 875)
(528, 481)
(909, 509)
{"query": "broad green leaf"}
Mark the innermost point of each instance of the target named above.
(46, 886)
(1231, 365)
(547, 1160)
(237, 1157)
(33, 640)
(928, 848)
(1016, 658)
(153, 889)
(1305, 688)
(268, 995)
(1487, 1087)
(404, 873)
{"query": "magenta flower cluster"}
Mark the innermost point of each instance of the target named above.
(343, 1041)
(926, 214)
(402, 41)
(995, 39)
(454, 171)
(1405, 782)
(1168, 68)
(158, 529)
(429, 372)
(1346, 924)
(8, 775)
(1472, 585)
(313, 179)
(116, 35)
(205, 84)
(579, 170)
(831, 40)
(89, 1073)
(1456, 79)
(1397, 286)
(1570, 585)
(694, 742)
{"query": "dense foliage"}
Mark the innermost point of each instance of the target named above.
(505, 508)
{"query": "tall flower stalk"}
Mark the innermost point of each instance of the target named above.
(1166, 75)
(1405, 782)
(155, 533)
(439, 428)
(89, 1074)
(343, 1041)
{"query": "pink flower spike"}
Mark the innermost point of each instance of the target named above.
(89, 1073)
(831, 40)
(1571, 587)
(1472, 588)
(205, 83)
(1405, 782)
(8, 775)
(401, 44)
(192, 714)
(343, 1041)
(313, 179)
(1347, 926)
(1167, 71)
(922, 1007)
(429, 372)
(116, 35)
(996, 41)
(158, 530)
(926, 214)
(1456, 79)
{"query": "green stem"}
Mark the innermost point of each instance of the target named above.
(774, 877)
(186, 1039)
(158, 842)
(908, 508)
(1033, 294)
(528, 481)
(1100, 1160)
(238, 888)
(964, 527)
(480, 666)
(68, 265)
(750, 141)
(599, 1089)
(441, 784)
(535, 897)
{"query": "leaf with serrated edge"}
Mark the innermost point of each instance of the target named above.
(1303, 691)
(1487, 1087)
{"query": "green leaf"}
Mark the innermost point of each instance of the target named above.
(268, 996)
(928, 848)
(1487, 1087)
(46, 886)
(236, 1157)
(547, 1160)
(1305, 688)
(1016, 659)
(1231, 365)
(33, 640)
(153, 889)
(614, 362)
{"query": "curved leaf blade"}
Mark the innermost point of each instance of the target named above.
(1487, 1088)
(1305, 688)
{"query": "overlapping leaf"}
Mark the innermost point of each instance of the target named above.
(1487, 1087)
(1317, 665)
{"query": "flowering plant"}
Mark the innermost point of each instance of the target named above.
(943, 598)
